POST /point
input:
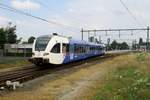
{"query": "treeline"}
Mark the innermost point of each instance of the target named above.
(119, 46)
(8, 36)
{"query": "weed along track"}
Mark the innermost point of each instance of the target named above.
(32, 72)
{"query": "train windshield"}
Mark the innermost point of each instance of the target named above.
(41, 43)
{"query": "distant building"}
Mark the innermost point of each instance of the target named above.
(17, 50)
(144, 46)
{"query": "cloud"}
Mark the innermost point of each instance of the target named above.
(87, 14)
(26, 4)
(99, 14)
(4, 20)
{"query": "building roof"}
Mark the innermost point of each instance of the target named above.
(19, 45)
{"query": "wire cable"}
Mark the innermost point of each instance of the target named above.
(131, 14)
(8, 8)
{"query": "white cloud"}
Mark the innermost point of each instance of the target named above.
(101, 14)
(4, 20)
(26, 4)
(89, 14)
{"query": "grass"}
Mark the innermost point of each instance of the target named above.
(125, 77)
(10, 62)
(128, 82)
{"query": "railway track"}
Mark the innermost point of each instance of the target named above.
(32, 72)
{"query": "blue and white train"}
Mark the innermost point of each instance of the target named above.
(56, 49)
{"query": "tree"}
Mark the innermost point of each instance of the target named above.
(114, 44)
(2, 38)
(140, 41)
(10, 31)
(19, 40)
(31, 39)
(91, 39)
(7, 35)
(123, 46)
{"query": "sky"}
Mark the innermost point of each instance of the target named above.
(69, 16)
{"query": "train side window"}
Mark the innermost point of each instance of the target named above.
(75, 48)
(68, 48)
(81, 49)
(65, 48)
(71, 48)
(101, 48)
(56, 48)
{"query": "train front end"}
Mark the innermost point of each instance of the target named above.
(49, 50)
(39, 54)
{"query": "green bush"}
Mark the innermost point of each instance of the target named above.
(141, 56)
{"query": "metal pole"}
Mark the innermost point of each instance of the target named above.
(106, 33)
(94, 36)
(99, 39)
(24, 50)
(147, 38)
(119, 34)
(88, 36)
(82, 34)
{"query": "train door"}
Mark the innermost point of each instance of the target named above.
(71, 49)
(65, 52)
(56, 54)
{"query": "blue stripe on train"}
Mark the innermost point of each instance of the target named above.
(77, 57)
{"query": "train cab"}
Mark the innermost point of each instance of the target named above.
(50, 49)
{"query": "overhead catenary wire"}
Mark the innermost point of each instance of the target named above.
(46, 6)
(131, 14)
(8, 8)
(43, 4)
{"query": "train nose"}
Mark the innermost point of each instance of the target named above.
(39, 61)
(45, 54)
(38, 54)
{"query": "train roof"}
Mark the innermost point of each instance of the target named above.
(74, 41)
(53, 36)
(84, 42)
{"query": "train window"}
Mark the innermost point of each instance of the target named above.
(78, 49)
(90, 48)
(56, 48)
(71, 48)
(98, 48)
(75, 48)
(41, 43)
(81, 49)
(84, 49)
(65, 48)
(101, 48)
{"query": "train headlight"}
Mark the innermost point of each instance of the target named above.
(45, 54)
